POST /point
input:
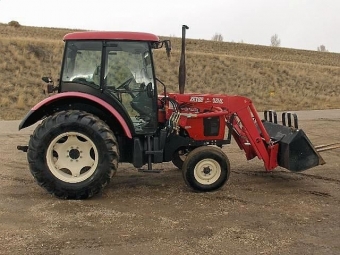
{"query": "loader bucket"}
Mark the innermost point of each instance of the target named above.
(296, 152)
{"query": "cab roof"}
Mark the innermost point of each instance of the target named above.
(116, 35)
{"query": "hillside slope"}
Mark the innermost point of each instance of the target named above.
(276, 78)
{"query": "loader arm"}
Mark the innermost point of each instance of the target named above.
(250, 135)
(249, 132)
(275, 144)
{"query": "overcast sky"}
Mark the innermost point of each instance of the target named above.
(301, 24)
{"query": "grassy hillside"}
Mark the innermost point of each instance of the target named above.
(276, 78)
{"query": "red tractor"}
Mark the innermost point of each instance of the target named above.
(108, 109)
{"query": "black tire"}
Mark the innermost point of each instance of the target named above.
(178, 158)
(206, 168)
(73, 154)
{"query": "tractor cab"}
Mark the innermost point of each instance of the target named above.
(118, 65)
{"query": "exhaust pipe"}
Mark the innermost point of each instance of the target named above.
(182, 68)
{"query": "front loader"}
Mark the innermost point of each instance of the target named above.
(109, 107)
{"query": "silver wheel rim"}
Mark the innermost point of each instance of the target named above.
(72, 157)
(207, 171)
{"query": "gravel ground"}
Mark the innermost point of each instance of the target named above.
(138, 213)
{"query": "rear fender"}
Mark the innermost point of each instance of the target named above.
(41, 109)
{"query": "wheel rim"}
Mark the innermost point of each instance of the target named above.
(72, 157)
(207, 171)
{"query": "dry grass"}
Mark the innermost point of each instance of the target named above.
(276, 78)
(270, 84)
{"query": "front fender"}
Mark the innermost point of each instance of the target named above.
(39, 110)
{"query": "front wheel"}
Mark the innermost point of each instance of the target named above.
(73, 154)
(206, 168)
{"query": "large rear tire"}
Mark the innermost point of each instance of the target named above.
(206, 168)
(73, 154)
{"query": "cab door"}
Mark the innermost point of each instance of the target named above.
(128, 75)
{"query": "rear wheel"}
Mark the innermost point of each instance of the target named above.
(73, 154)
(206, 168)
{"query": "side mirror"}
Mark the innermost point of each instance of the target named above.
(167, 44)
(46, 79)
(50, 85)
(50, 88)
(168, 47)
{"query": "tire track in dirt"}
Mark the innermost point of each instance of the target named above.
(312, 176)
(287, 175)
(17, 179)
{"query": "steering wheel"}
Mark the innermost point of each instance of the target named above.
(79, 79)
(125, 85)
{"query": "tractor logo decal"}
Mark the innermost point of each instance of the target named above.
(217, 100)
(197, 99)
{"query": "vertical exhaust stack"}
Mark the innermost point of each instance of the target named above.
(182, 68)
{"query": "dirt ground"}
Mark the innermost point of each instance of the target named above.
(139, 213)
